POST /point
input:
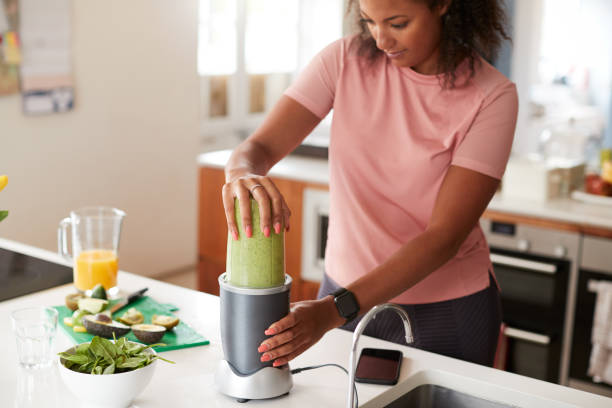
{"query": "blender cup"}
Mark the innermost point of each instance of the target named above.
(95, 247)
(256, 262)
(254, 293)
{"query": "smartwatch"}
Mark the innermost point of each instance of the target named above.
(346, 303)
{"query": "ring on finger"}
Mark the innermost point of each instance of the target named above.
(252, 189)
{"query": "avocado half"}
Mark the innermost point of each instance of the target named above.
(169, 322)
(148, 333)
(101, 327)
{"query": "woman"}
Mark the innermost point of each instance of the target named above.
(421, 133)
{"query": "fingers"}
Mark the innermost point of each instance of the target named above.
(274, 212)
(245, 209)
(277, 341)
(283, 354)
(283, 324)
(294, 333)
(230, 216)
(279, 206)
(286, 214)
(284, 360)
(260, 194)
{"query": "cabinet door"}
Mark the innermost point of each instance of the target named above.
(212, 230)
(293, 192)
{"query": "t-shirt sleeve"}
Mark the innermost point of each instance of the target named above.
(315, 86)
(487, 144)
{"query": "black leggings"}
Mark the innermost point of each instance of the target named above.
(466, 328)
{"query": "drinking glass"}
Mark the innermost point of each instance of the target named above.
(34, 329)
(95, 247)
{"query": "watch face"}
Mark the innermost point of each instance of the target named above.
(347, 304)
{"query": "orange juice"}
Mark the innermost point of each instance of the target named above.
(95, 266)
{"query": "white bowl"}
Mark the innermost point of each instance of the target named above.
(109, 390)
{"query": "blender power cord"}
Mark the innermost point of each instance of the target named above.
(300, 369)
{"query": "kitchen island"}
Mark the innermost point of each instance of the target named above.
(190, 382)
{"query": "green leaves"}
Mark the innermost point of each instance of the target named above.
(3, 214)
(102, 356)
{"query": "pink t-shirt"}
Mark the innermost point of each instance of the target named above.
(394, 134)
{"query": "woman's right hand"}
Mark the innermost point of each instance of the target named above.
(268, 197)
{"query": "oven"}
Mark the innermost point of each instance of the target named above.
(315, 219)
(595, 267)
(534, 267)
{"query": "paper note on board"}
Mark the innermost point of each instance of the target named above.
(46, 68)
(4, 25)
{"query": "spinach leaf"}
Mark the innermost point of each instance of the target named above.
(110, 369)
(102, 356)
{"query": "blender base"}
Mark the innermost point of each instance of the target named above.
(269, 382)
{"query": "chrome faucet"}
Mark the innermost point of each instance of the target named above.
(359, 329)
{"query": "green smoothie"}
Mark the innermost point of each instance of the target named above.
(259, 261)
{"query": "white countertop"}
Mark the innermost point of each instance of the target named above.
(307, 169)
(560, 209)
(189, 382)
(316, 170)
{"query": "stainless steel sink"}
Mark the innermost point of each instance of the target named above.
(436, 396)
(434, 388)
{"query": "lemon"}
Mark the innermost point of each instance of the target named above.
(3, 181)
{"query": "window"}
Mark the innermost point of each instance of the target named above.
(249, 51)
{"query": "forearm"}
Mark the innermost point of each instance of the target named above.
(413, 262)
(287, 124)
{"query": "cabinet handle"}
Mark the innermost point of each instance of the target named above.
(593, 285)
(526, 335)
(524, 264)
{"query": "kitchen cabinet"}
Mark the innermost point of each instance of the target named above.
(212, 232)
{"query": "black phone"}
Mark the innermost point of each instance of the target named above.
(378, 366)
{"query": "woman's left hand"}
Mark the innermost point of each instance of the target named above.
(305, 324)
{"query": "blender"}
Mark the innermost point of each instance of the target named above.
(254, 293)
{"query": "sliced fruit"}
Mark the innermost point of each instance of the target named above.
(93, 306)
(103, 329)
(77, 317)
(68, 321)
(169, 322)
(132, 316)
(72, 300)
(79, 329)
(3, 181)
(148, 333)
(98, 292)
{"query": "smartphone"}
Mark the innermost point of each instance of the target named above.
(378, 366)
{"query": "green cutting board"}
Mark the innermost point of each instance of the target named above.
(182, 336)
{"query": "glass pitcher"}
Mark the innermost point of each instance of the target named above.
(95, 247)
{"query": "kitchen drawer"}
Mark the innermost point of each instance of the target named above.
(596, 254)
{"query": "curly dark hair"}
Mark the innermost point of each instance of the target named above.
(469, 28)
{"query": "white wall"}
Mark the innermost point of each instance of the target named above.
(131, 141)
